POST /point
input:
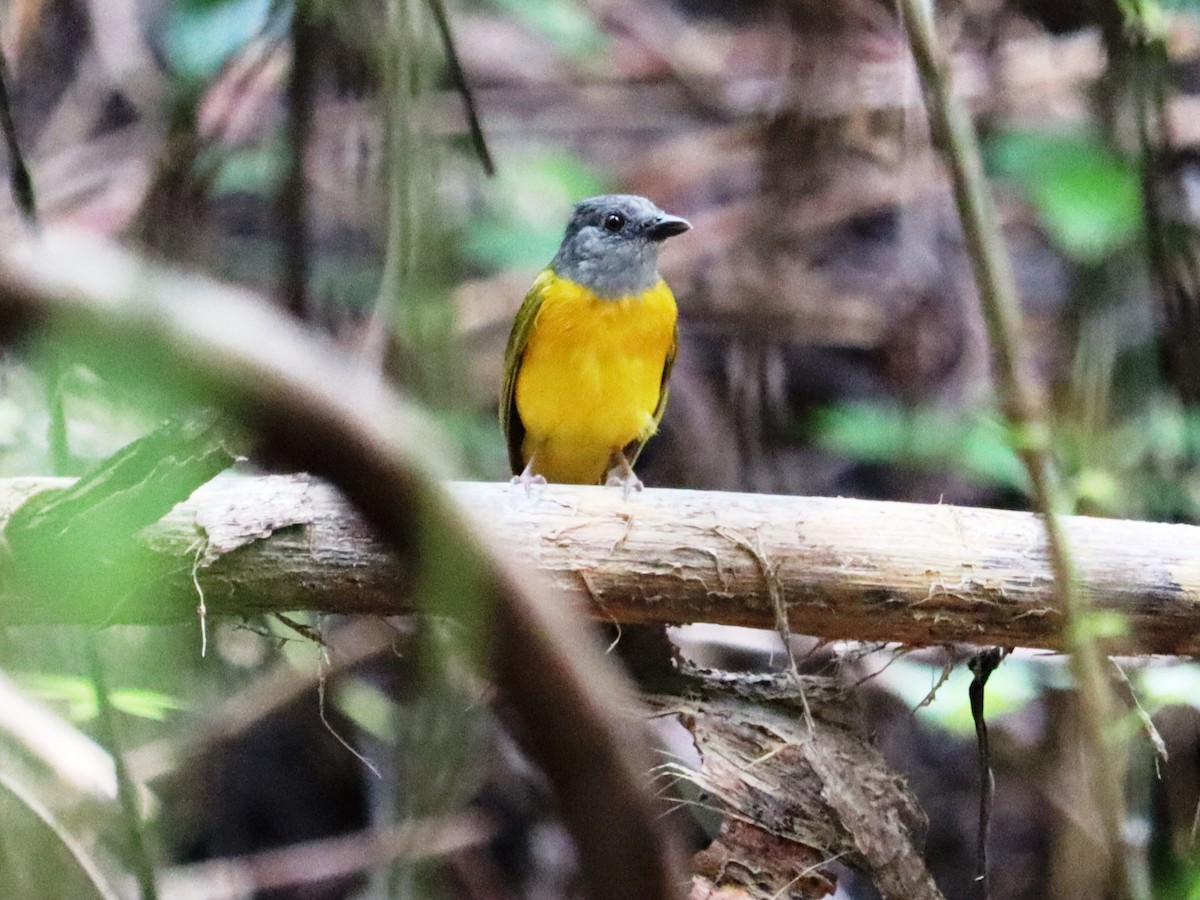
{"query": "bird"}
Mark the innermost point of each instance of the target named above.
(589, 358)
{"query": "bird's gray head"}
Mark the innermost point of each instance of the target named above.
(612, 242)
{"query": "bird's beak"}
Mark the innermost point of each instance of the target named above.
(667, 226)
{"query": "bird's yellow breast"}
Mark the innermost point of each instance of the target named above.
(591, 376)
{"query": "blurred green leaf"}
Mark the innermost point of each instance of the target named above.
(200, 35)
(1087, 195)
(367, 706)
(1103, 624)
(353, 281)
(568, 24)
(79, 696)
(1147, 15)
(1009, 689)
(1098, 487)
(146, 704)
(1138, 467)
(527, 206)
(478, 438)
(250, 170)
(301, 654)
(1164, 685)
(883, 433)
(984, 452)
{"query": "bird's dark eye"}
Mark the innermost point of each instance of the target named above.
(614, 222)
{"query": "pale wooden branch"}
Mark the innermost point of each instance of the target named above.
(855, 569)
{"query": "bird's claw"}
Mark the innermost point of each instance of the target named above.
(620, 474)
(626, 481)
(528, 479)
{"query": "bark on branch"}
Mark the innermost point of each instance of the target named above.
(843, 568)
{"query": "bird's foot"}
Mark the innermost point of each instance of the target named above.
(621, 475)
(528, 479)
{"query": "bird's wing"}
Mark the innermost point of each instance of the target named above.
(518, 339)
(634, 449)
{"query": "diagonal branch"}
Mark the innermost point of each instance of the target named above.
(952, 129)
(19, 180)
(442, 20)
(134, 320)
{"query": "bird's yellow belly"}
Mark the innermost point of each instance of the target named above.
(591, 377)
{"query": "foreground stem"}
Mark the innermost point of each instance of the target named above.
(952, 129)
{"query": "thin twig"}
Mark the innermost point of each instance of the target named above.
(946, 672)
(202, 606)
(358, 641)
(1157, 744)
(982, 665)
(1170, 243)
(19, 180)
(952, 129)
(400, 164)
(293, 191)
(478, 141)
(778, 604)
(106, 723)
(327, 858)
(323, 665)
(897, 653)
(305, 631)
